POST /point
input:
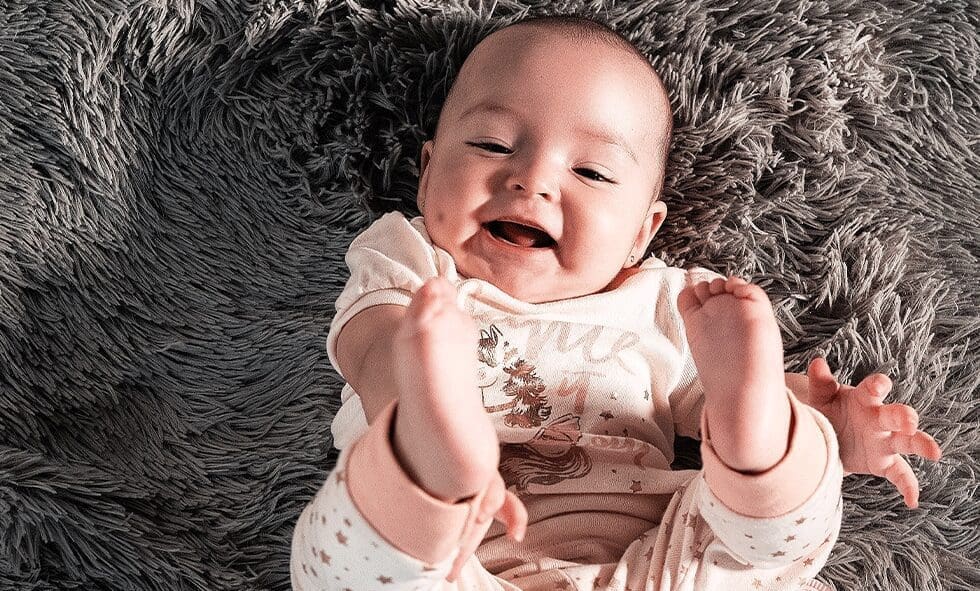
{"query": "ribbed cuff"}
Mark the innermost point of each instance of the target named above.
(404, 514)
(785, 486)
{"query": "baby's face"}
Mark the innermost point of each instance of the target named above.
(541, 176)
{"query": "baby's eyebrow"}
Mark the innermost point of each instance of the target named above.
(603, 135)
(611, 138)
(487, 108)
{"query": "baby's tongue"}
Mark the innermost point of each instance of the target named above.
(521, 235)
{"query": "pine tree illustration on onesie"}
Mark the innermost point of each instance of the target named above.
(529, 405)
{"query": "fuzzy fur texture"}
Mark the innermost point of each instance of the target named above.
(179, 182)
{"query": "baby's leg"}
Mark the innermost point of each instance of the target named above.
(737, 349)
(386, 517)
(701, 545)
(443, 436)
(369, 528)
(760, 458)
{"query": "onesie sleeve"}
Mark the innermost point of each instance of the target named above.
(687, 397)
(388, 262)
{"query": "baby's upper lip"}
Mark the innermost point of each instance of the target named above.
(524, 221)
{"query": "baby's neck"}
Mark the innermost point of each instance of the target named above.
(618, 280)
(620, 277)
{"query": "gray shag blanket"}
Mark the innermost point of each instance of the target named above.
(179, 182)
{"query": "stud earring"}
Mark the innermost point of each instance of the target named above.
(632, 259)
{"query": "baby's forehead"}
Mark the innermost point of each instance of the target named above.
(490, 63)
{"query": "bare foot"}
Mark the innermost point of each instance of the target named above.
(738, 351)
(443, 436)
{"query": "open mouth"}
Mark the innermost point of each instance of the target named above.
(519, 234)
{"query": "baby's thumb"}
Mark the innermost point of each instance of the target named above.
(823, 386)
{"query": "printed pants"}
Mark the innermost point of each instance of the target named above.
(336, 548)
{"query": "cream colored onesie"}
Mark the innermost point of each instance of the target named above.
(586, 395)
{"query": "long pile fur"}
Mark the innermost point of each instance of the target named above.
(179, 182)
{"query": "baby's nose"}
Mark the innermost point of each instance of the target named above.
(535, 177)
(531, 188)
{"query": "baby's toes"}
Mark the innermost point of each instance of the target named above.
(420, 308)
(718, 286)
(446, 315)
(427, 313)
(742, 289)
(734, 283)
(703, 291)
(688, 300)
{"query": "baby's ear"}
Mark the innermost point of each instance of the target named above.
(424, 158)
(655, 217)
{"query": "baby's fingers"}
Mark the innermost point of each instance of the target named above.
(898, 471)
(492, 501)
(928, 446)
(504, 505)
(872, 389)
(901, 475)
(898, 417)
(495, 501)
(918, 443)
(470, 544)
(487, 503)
(823, 386)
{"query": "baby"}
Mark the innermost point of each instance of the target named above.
(510, 356)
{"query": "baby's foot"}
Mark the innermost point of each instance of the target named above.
(443, 436)
(738, 351)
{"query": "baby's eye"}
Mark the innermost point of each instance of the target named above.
(491, 147)
(592, 174)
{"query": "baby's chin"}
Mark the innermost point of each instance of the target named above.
(532, 286)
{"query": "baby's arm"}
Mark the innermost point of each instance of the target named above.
(871, 434)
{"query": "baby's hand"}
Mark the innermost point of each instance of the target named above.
(871, 434)
(495, 503)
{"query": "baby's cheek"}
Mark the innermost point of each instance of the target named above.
(436, 219)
